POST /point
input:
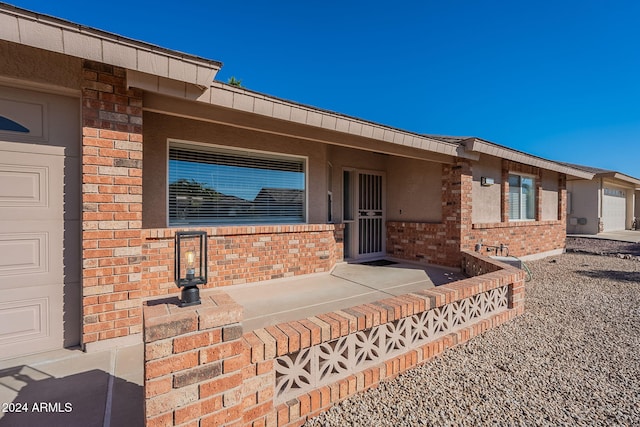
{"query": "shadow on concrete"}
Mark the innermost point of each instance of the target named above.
(90, 398)
(622, 276)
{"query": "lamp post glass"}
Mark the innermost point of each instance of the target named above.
(191, 265)
(190, 257)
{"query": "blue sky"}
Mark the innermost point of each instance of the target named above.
(558, 79)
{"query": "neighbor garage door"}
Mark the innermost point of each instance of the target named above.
(614, 209)
(31, 234)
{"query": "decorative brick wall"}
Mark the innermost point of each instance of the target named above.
(186, 350)
(194, 360)
(244, 254)
(111, 204)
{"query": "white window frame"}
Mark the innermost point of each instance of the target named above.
(186, 144)
(535, 196)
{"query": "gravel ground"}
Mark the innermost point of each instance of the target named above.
(604, 247)
(573, 358)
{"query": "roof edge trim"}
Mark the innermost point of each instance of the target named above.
(480, 146)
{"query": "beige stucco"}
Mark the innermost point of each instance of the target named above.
(26, 65)
(159, 129)
(636, 212)
(584, 206)
(413, 186)
(415, 190)
(549, 196)
(587, 199)
(486, 200)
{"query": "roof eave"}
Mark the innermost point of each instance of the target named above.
(619, 176)
(58, 35)
(485, 147)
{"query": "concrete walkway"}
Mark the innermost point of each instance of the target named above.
(631, 236)
(271, 302)
(72, 388)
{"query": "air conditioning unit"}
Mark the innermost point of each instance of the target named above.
(512, 261)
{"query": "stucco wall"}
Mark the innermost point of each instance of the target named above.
(549, 196)
(159, 128)
(39, 66)
(341, 158)
(584, 204)
(414, 190)
(637, 209)
(486, 200)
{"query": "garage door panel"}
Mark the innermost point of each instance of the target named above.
(22, 254)
(29, 319)
(30, 250)
(24, 320)
(614, 209)
(30, 186)
(40, 179)
(22, 186)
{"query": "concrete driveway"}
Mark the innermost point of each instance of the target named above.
(631, 236)
(71, 388)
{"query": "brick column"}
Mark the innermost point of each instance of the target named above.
(562, 197)
(457, 201)
(504, 192)
(194, 362)
(111, 204)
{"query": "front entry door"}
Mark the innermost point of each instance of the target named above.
(370, 212)
(31, 260)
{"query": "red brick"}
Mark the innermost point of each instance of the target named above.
(220, 384)
(170, 364)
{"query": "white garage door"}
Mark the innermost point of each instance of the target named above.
(614, 209)
(31, 233)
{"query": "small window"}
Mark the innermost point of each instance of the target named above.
(522, 198)
(210, 185)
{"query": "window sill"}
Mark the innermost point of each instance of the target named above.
(520, 223)
(235, 230)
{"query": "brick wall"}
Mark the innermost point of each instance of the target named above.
(111, 204)
(244, 254)
(199, 369)
(437, 243)
(523, 237)
(441, 243)
(194, 359)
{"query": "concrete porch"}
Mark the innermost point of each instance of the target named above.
(347, 285)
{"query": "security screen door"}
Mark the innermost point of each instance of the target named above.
(371, 232)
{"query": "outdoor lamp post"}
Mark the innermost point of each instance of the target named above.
(191, 265)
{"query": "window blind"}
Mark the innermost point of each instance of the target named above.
(522, 197)
(220, 186)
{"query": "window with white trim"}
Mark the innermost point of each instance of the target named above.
(214, 185)
(522, 197)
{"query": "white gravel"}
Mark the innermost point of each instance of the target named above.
(573, 358)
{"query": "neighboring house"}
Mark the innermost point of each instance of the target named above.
(607, 202)
(110, 145)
